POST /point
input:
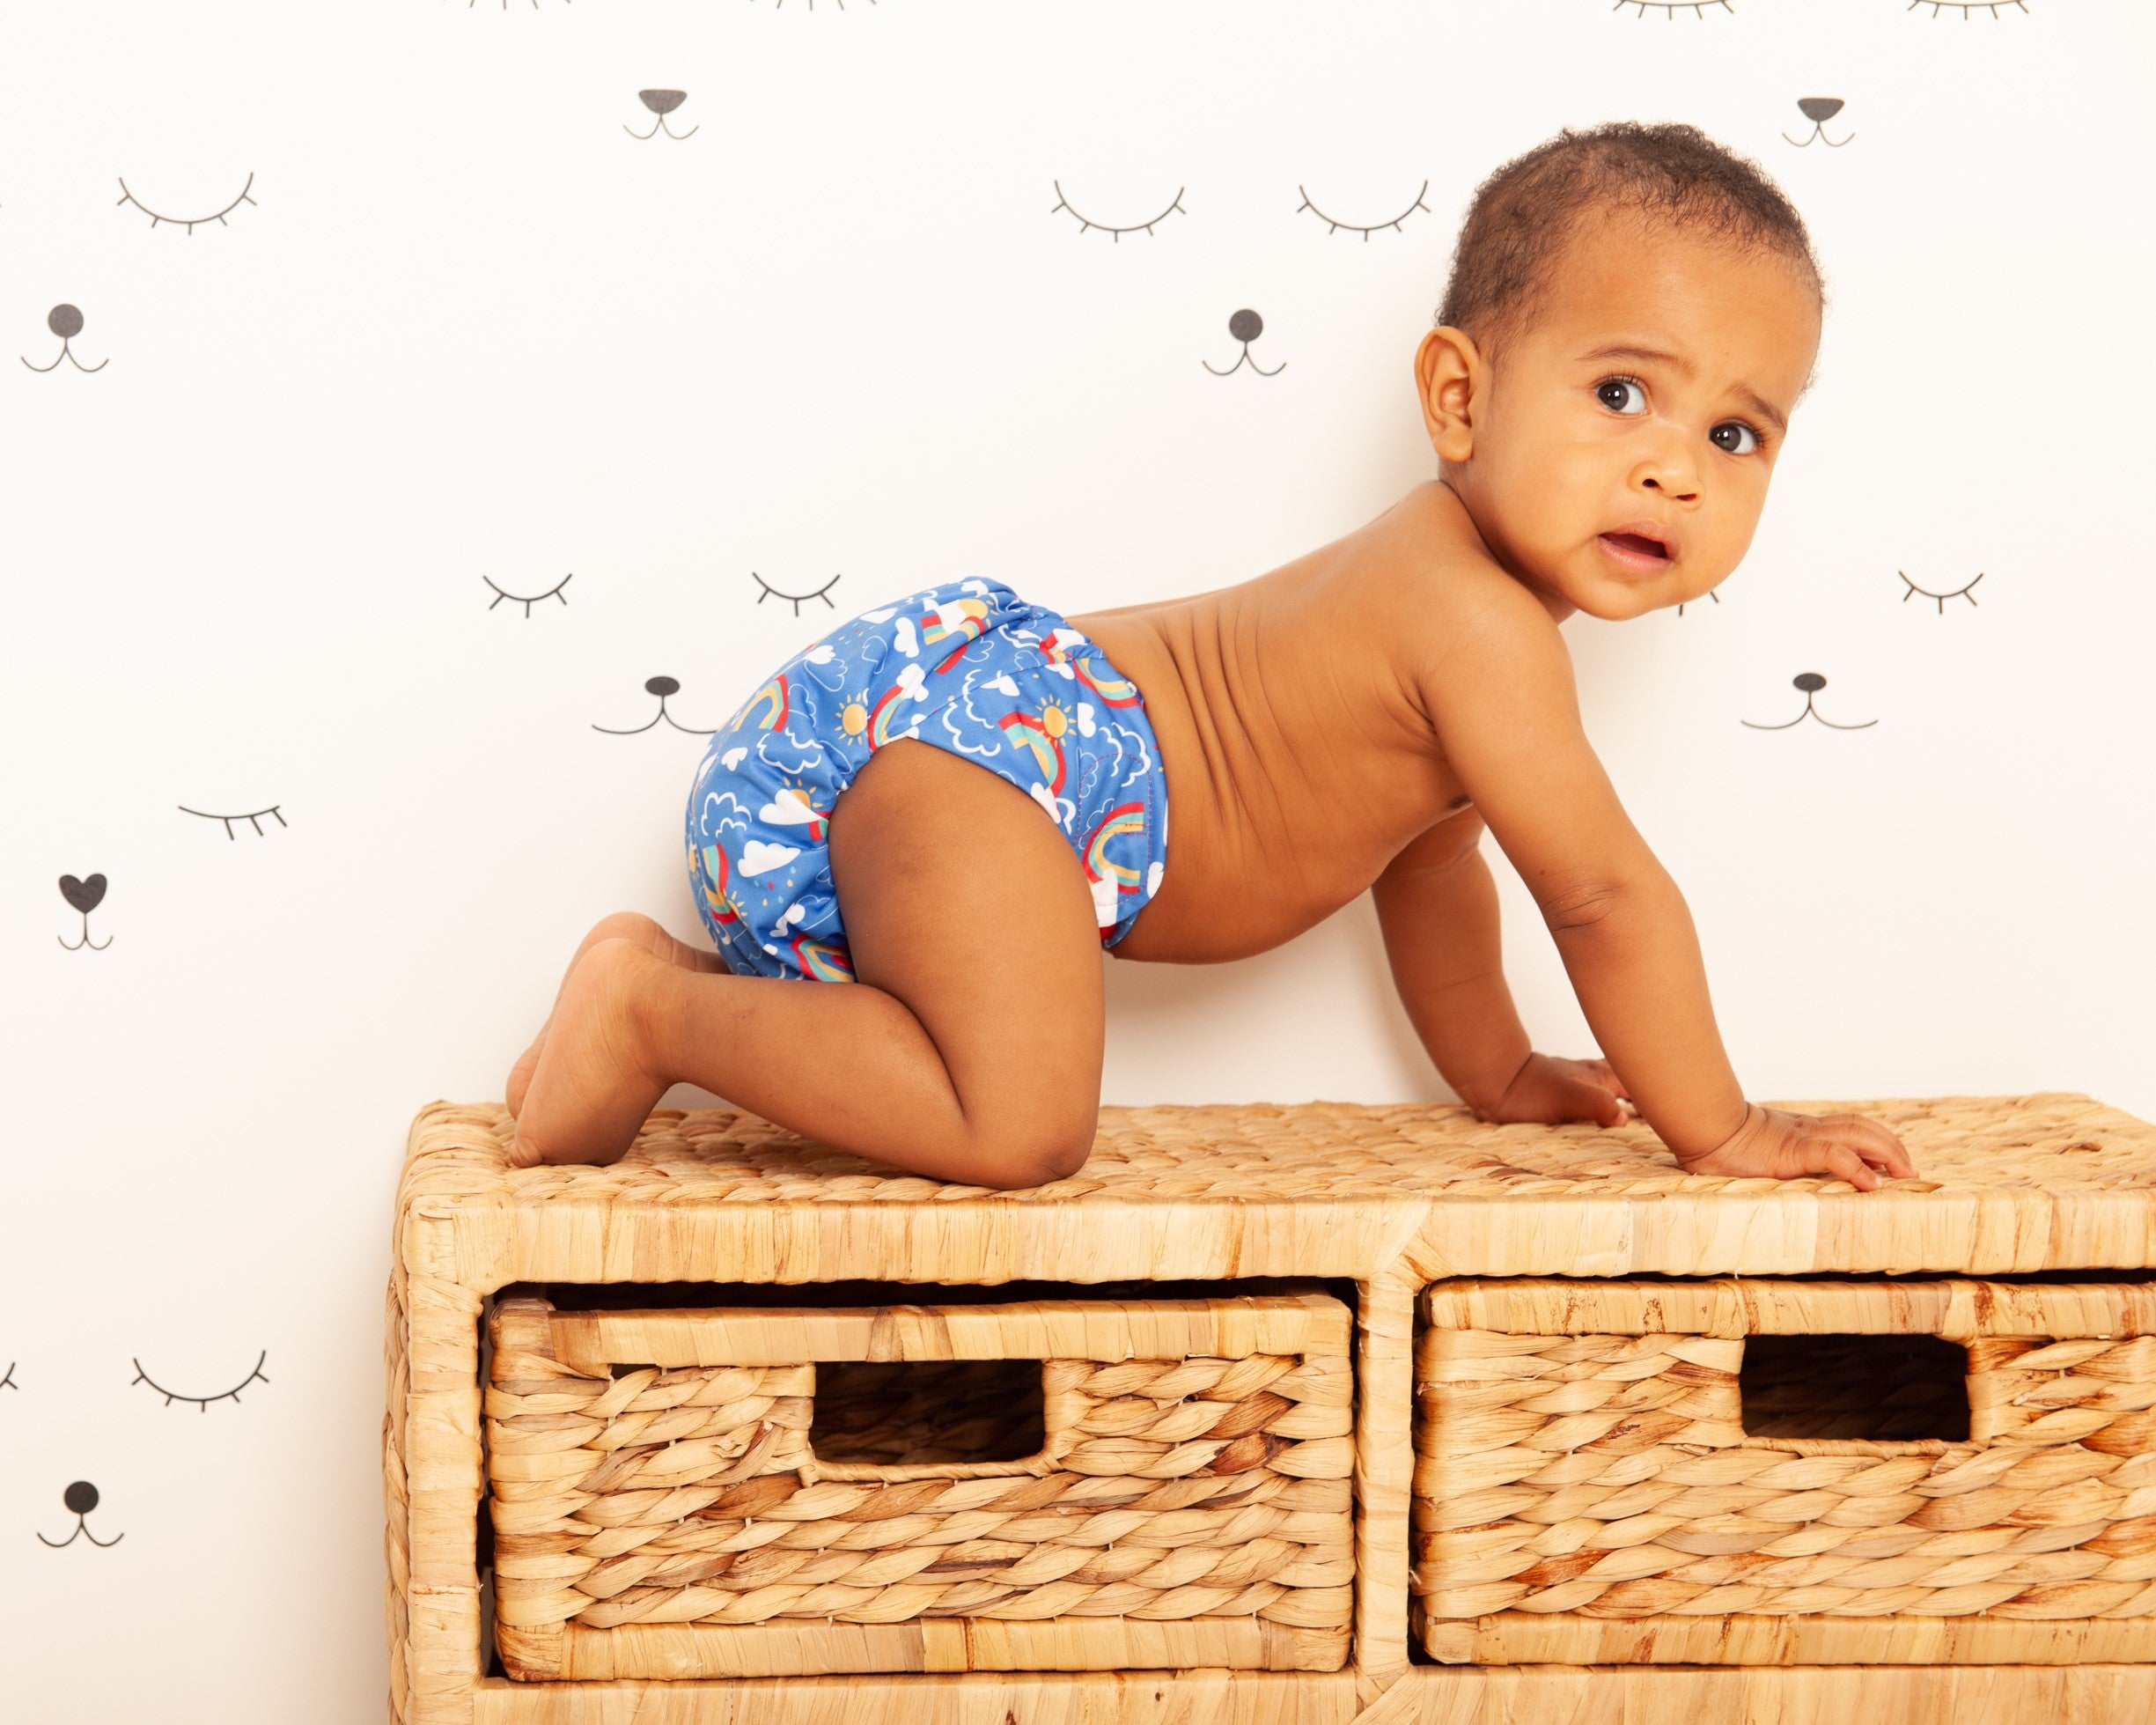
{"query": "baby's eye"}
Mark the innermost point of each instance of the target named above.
(1734, 437)
(1622, 396)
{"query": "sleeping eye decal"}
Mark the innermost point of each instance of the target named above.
(190, 223)
(1939, 599)
(1965, 7)
(1087, 225)
(554, 592)
(1246, 326)
(85, 897)
(1334, 224)
(81, 1497)
(65, 321)
(202, 1402)
(1819, 110)
(661, 686)
(231, 820)
(1808, 683)
(1671, 8)
(812, 4)
(796, 599)
(661, 102)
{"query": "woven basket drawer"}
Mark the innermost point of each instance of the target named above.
(1587, 1491)
(1180, 1497)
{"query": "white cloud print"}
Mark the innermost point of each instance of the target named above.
(788, 808)
(757, 857)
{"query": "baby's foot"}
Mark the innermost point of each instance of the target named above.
(592, 1089)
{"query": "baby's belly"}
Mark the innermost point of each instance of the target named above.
(1211, 908)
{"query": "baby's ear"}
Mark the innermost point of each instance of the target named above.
(1447, 367)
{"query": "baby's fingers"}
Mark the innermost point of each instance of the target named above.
(1873, 1142)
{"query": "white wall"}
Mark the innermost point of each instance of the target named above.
(468, 327)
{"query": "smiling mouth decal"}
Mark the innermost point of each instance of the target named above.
(1246, 327)
(661, 686)
(81, 1497)
(1807, 684)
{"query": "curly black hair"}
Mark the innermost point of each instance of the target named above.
(1522, 214)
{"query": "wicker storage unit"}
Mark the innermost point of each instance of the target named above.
(1603, 1477)
(671, 1497)
(623, 1447)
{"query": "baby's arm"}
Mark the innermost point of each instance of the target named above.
(1438, 907)
(1500, 694)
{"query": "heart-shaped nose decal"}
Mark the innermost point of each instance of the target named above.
(84, 896)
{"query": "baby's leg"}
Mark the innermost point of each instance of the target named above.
(622, 926)
(968, 1049)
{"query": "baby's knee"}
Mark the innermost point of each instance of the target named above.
(625, 925)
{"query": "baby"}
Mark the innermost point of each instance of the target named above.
(1632, 314)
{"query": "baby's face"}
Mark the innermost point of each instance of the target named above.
(1621, 441)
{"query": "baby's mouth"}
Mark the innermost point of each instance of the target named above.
(1637, 551)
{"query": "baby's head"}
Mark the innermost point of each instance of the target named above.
(1632, 314)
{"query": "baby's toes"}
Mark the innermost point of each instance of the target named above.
(520, 1075)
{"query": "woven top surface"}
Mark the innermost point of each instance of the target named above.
(2053, 1145)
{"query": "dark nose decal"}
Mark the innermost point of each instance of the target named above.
(661, 102)
(85, 897)
(1808, 683)
(1819, 110)
(81, 1497)
(65, 321)
(1246, 327)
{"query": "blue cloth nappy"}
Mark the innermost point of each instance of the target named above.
(969, 666)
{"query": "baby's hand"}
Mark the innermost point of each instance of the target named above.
(1842, 1147)
(1548, 1091)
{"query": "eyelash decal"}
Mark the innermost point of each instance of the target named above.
(1335, 226)
(202, 1402)
(66, 321)
(190, 223)
(812, 4)
(1809, 682)
(1087, 225)
(662, 102)
(1246, 326)
(1819, 110)
(1716, 597)
(1965, 7)
(797, 600)
(661, 686)
(1671, 8)
(84, 896)
(253, 819)
(554, 592)
(1938, 598)
(7, 1378)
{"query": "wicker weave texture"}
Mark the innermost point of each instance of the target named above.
(1208, 1490)
(1581, 1457)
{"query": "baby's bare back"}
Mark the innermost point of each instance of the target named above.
(1298, 754)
